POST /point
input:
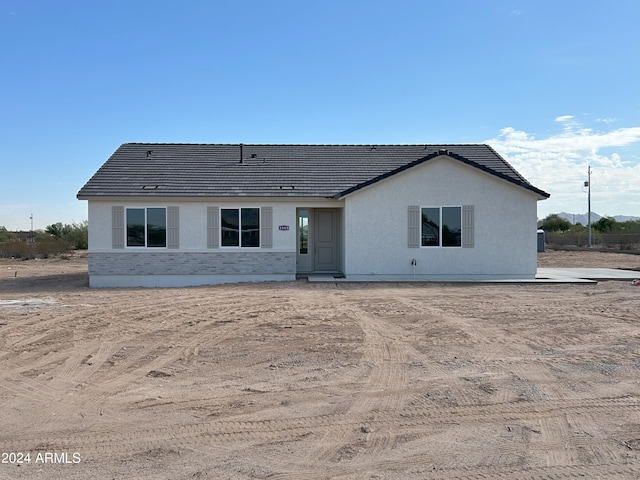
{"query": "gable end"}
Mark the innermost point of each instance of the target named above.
(520, 183)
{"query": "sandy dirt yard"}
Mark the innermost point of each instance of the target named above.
(319, 381)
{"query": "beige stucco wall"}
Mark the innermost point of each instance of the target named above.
(376, 225)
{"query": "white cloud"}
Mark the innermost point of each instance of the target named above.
(558, 164)
(606, 120)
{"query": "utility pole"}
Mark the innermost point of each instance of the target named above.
(588, 184)
(31, 232)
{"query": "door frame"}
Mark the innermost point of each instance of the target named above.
(307, 262)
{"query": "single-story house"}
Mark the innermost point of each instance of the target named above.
(197, 214)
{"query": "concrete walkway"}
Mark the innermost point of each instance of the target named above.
(587, 273)
(544, 275)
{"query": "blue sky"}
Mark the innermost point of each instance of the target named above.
(552, 85)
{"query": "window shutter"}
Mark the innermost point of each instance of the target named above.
(117, 227)
(213, 227)
(173, 227)
(468, 215)
(266, 227)
(414, 226)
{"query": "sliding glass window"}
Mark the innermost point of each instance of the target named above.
(240, 227)
(147, 227)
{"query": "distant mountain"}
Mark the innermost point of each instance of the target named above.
(624, 218)
(582, 217)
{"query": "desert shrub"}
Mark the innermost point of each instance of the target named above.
(628, 242)
(620, 241)
(566, 239)
(44, 247)
(17, 248)
(48, 247)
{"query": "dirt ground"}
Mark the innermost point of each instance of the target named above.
(316, 381)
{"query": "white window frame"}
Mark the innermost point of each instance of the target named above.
(146, 238)
(240, 208)
(440, 207)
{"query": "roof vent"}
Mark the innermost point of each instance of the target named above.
(254, 155)
(150, 187)
(443, 151)
(149, 152)
(373, 147)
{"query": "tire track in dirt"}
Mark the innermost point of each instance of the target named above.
(52, 376)
(240, 434)
(180, 340)
(128, 363)
(26, 387)
(559, 472)
(488, 432)
(384, 392)
(488, 369)
(387, 335)
(534, 437)
(139, 438)
(478, 332)
(529, 359)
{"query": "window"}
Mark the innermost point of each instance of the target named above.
(146, 227)
(441, 226)
(240, 227)
(303, 232)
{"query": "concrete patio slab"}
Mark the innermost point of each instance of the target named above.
(588, 273)
(544, 275)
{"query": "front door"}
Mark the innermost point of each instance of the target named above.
(326, 237)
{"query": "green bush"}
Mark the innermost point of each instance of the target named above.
(75, 234)
(554, 223)
(5, 235)
(78, 236)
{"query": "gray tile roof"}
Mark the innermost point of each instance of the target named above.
(216, 170)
